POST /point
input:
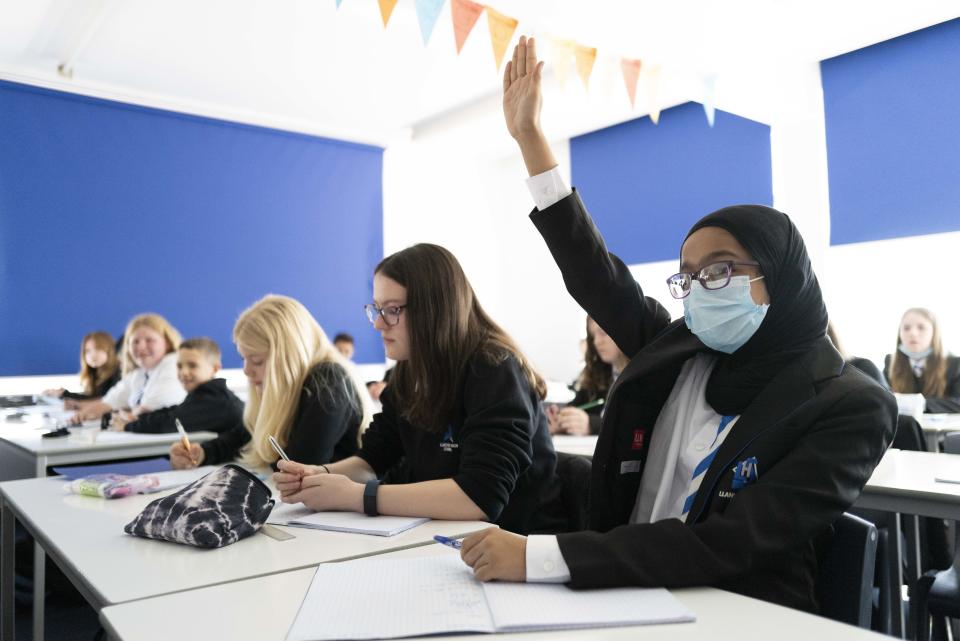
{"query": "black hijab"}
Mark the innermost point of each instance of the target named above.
(796, 319)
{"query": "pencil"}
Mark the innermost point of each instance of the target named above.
(184, 440)
(590, 405)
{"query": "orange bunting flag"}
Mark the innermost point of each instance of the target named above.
(501, 32)
(561, 52)
(465, 16)
(631, 72)
(585, 57)
(386, 9)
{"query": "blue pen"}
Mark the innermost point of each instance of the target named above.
(454, 543)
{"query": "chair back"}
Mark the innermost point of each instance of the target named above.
(909, 435)
(845, 582)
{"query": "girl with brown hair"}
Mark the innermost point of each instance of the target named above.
(461, 425)
(99, 370)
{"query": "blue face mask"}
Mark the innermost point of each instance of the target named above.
(915, 356)
(724, 319)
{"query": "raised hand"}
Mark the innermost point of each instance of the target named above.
(521, 91)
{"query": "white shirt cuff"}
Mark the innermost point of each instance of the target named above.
(548, 188)
(545, 563)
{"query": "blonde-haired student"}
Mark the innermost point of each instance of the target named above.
(149, 379)
(302, 392)
(99, 370)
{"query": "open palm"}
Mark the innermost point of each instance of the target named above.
(521, 90)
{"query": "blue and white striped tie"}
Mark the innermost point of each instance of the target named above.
(701, 468)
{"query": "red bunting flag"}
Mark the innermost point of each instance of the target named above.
(631, 73)
(465, 15)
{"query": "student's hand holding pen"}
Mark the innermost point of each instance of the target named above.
(183, 459)
(322, 492)
(496, 554)
(573, 420)
(289, 476)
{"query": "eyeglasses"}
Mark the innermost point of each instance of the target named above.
(714, 276)
(390, 315)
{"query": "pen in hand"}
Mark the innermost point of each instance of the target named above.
(184, 440)
(279, 450)
(456, 544)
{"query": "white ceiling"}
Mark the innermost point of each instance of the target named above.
(305, 65)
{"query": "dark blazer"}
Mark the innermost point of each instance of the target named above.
(325, 428)
(211, 407)
(497, 448)
(582, 397)
(949, 403)
(99, 392)
(817, 431)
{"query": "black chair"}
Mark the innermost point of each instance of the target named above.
(845, 581)
(574, 473)
(937, 592)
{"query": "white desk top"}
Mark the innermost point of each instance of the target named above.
(87, 535)
(905, 482)
(939, 422)
(265, 607)
(28, 437)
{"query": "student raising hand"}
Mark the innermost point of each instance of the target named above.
(521, 106)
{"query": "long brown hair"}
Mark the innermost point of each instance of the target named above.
(597, 376)
(446, 327)
(934, 371)
(92, 378)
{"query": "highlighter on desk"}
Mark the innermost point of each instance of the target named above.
(183, 438)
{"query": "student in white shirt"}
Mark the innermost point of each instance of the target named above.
(149, 371)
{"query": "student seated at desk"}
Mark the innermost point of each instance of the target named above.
(99, 370)
(603, 362)
(149, 371)
(921, 365)
(209, 405)
(302, 392)
(461, 431)
(734, 438)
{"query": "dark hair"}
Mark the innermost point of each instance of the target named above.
(207, 346)
(934, 372)
(446, 327)
(597, 376)
(343, 337)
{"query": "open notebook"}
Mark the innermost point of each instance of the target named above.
(438, 595)
(301, 516)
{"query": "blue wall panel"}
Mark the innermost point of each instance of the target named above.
(892, 112)
(108, 209)
(646, 184)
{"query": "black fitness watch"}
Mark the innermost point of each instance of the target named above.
(370, 498)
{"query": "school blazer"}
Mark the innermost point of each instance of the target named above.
(816, 433)
(950, 401)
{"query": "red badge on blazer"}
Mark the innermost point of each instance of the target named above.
(638, 438)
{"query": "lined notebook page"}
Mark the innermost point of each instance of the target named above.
(380, 598)
(537, 606)
(300, 516)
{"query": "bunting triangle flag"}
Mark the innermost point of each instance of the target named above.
(501, 32)
(427, 13)
(585, 57)
(339, 2)
(652, 85)
(465, 15)
(631, 73)
(561, 53)
(386, 9)
(709, 96)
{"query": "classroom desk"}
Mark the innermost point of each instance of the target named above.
(24, 453)
(263, 609)
(84, 537)
(582, 445)
(935, 426)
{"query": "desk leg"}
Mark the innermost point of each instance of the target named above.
(39, 570)
(7, 612)
(896, 595)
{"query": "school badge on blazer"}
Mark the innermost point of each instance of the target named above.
(745, 472)
(448, 445)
